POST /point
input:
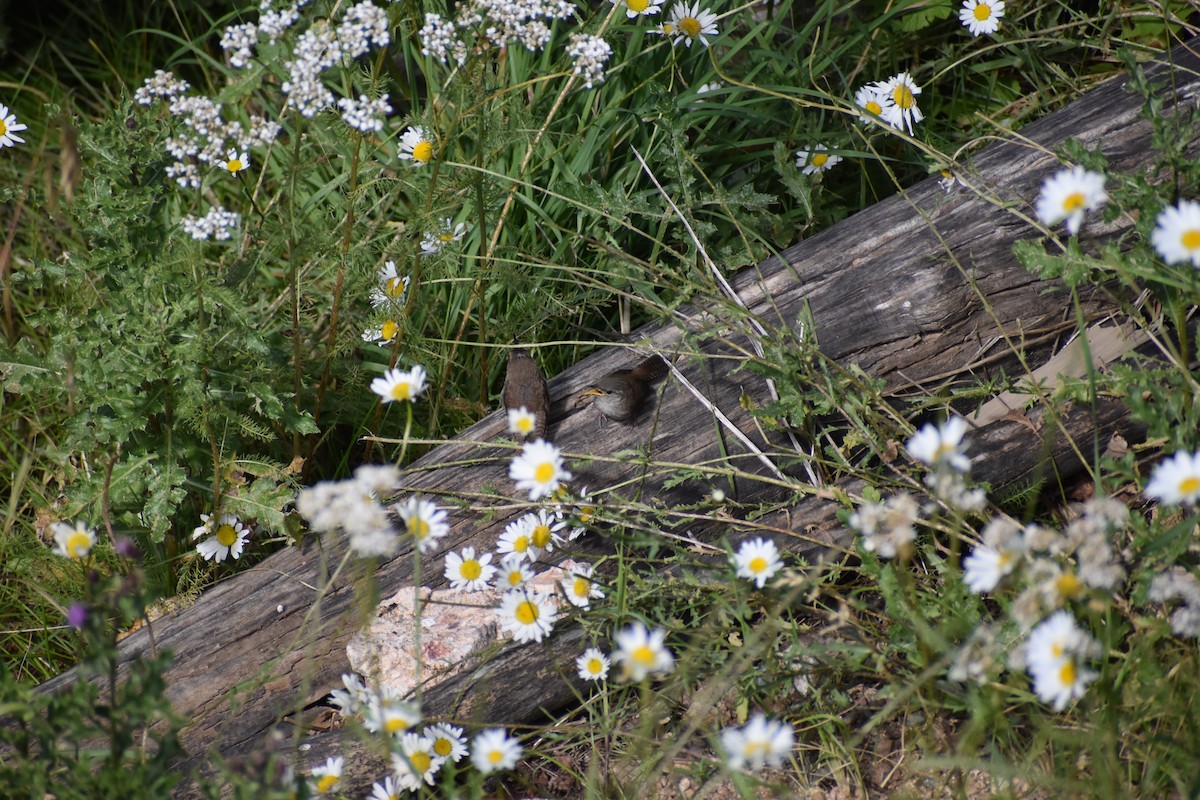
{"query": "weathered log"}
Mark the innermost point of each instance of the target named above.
(919, 289)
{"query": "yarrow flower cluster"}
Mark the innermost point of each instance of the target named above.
(501, 22)
(589, 54)
(353, 506)
(365, 114)
(894, 101)
(888, 528)
(1068, 194)
(323, 46)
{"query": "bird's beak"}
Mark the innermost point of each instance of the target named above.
(594, 392)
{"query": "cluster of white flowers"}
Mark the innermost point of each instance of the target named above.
(888, 528)
(501, 22)
(941, 447)
(894, 101)
(365, 114)
(161, 84)
(590, 54)
(417, 757)
(1174, 584)
(238, 41)
(217, 224)
(323, 46)
(353, 505)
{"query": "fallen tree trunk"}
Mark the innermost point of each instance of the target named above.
(920, 290)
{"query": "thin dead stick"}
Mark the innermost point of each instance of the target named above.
(735, 297)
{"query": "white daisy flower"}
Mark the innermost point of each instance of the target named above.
(327, 777)
(814, 160)
(468, 573)
(938, 445)
(397, 384)
(392, 287)
(514, 572)
(382, 335)
(228, 538)
(1054, 653)
(390, 715)
(639, 8)
(757, 560)
(387, 790)
(872, 99)
(494, 750)
(1176, 236)
(981, 16)
(760, 743)
(1176, 479)
(538, 469)
(579, 586)
(9, 127)
(574, 522)
(353, 698)
(425, 522)
(416, 146)
(641, 652)
(72, 541)
(448, 741)
(432, 243)
(901, 92)
(521, 421)
(998, 555)
(235, 162)
(541, 533)
(1068, 194)
(416, 763)
(517, 538)
(688, 24)
(528, 616)
(592, 665)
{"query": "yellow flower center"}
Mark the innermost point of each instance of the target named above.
(544, 473)
(395, 287)
(421, 762)
(637, 5)
(1066, 673)
(1189, 485)
(690, 26)
(418, 528)
(818, 159)
(644, 656)
(1190, 239)
(514, 578)
(541, 536)
(983, 12)
(442, 746)
(234, 165)
(396, 724)
(595, 666)
(326, 783)
(471, 570)
(226, 535)
(495, 756)
(1074, 202)
(527, 613)
(758, 564)
(1067, 585)
(582, 587)
(520, 544)
(389, 331)
(402, 391)
(3, 128)
(524, 424)
(903, 96)
(587, 513)
(874, 107)
(423, 151)
(79, 544)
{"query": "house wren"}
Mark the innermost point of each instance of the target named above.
(525, 386)
(619, 395)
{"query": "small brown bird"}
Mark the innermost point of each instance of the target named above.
(525, 387)
(619, 395)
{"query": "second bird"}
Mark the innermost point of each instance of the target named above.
(619, 395)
